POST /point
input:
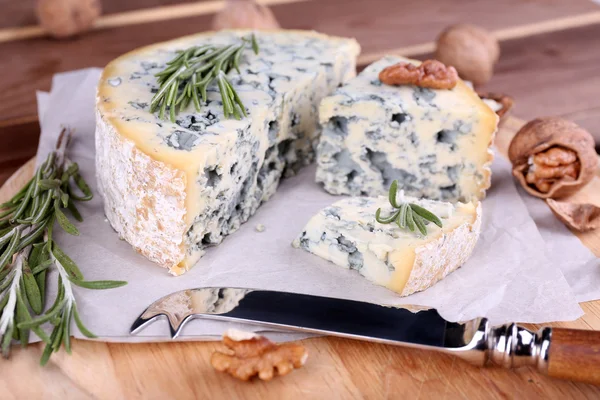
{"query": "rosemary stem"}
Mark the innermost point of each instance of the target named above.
(7, 318)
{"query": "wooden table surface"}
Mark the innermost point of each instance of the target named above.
(550, 63)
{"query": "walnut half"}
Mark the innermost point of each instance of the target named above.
(252, 355)
(429, 74)
(580, 217)
(553, 157)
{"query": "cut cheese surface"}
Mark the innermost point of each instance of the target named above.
(173, 189)
(347, 234)
(434, 142)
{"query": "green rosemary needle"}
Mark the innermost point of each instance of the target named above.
(409, 216)
(186, 78)
(28, 250)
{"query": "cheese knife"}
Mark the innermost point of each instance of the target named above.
(561, 353)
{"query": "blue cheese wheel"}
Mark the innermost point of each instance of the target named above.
(173, 189)
(347, 234)
(434, 142)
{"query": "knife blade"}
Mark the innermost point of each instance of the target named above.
(475, 341)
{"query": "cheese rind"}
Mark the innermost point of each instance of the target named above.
(347, 234)
(434, 142)
(173, 189)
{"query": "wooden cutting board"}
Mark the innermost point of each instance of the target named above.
(336, 368)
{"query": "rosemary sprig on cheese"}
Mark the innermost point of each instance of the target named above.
(408, 215)
(187, 77)
(28, 250)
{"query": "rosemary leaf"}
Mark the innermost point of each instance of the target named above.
(35, 255)
(401, 221)
(63, 221)
(6, 282)
(6, 339)
(254, 44)
(43, 266)
(34, 297)
(7, 236)
(47, 184)
(24, 203)
(43, 210)
(3, 302)
(40, 279)
(410, 222)
(69, 265)
(426, 214)
(59, 329)
(58, 302)
(392, 194)
(385, 220)
(67, 330)
(84, 331)
(22, 315)
(419, 224)
(98, 284)
(11, 249)
(74, 211)
(47, 351)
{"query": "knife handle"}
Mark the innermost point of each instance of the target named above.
(574, 355)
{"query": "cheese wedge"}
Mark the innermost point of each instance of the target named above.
(347, 234)
(173, 189)
(434, 142)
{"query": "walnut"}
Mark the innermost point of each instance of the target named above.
(501, 104)
(253, 355)
(429, 74)
(581, 217)
(472, 50)
(244, 14)
(65, 18)
(553, 157)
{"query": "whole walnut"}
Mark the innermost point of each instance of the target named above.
(244, 14)
(65, 18)
(553, 157)
(472, 50)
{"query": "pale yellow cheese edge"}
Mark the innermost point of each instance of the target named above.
(412, 263)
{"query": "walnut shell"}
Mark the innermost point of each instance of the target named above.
(504, 101)
(581, 217)
(65, 18)
(244, 14)
(472, 50)
(542, 134)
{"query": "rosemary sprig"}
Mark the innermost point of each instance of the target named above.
(408, 215)
(186, 78)
(28, 250)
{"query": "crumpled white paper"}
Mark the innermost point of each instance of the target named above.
(512, 276)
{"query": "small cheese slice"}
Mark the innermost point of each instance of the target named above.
(434, 142)
(173, 189)
(347, 234)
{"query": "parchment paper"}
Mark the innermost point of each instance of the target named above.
(509, 277)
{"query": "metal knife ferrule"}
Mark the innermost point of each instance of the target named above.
(513, 346)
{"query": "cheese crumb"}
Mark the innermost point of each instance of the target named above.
(259, 228)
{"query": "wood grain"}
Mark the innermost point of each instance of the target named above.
(377, 24)
(21, 13)
(336, 369)
(142, 16)
(575, 355)
(565, 85)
